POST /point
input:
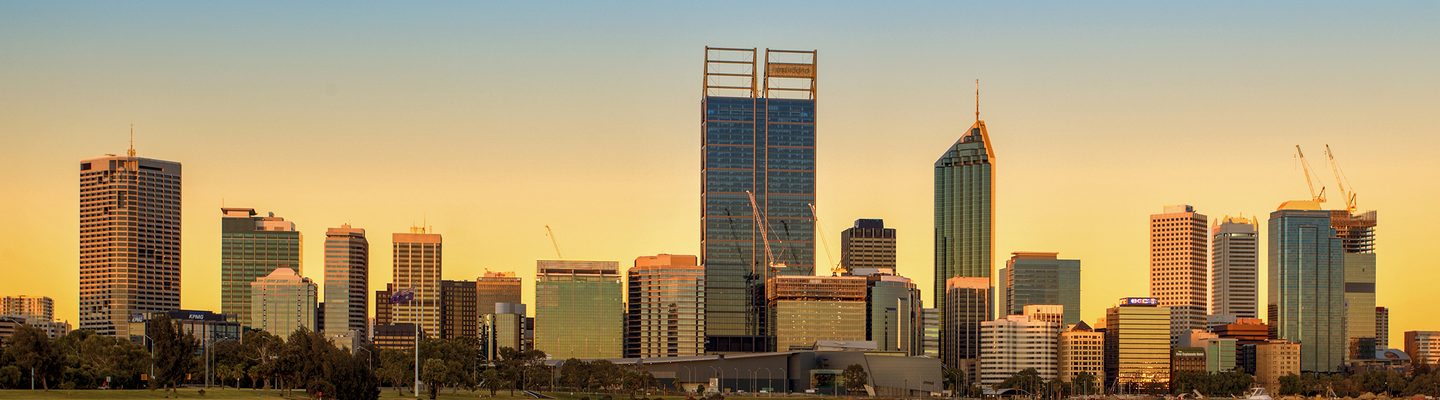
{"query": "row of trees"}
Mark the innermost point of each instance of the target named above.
(1420, 381)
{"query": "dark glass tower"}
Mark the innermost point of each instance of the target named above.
(964, 213)
(1307, 285)
(762, 144)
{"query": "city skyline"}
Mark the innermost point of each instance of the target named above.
(507, 234)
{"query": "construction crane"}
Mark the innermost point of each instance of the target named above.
(551, 234)
(1341, 180)
(1305, 165)
(839, 267)
(764, 231)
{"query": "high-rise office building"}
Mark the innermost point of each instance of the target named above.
(1307, 285)
(1357, 238)
(757, 138)
(417, 266)
(1178, 266)
(1137, 346)
(504, 326)
(665, 311)
(967, 304)
(496, 287)
(129, 240)
(459, 314)
(893, 307)
(382, 305)
(868, 244)
(252, 247)
(1016, 343)
(1039, 278)
(964, 210)
(930, 332)
(1382, 327)
(578, 309)
(31, 308)
(1235, 267)
(282, 302)
(1081, 350)
(1276, 359)
(1423, 347)
(805, 309)
(347, 283)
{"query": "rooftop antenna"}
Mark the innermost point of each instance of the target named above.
(977, 99)
(131, 152)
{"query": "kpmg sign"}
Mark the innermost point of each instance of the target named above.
(789, 70)
(1139, 301)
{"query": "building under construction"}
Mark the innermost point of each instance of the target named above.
(757, 139)
(806, 309)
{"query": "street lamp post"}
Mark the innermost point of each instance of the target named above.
(152, 357)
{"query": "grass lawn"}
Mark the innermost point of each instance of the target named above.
(227, 394)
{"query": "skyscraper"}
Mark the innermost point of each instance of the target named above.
(129, 240)
(868, 244)
(804, 309)
(1178, 267)
(1016, 343)
(252, 247)
(347, 283)
(967, 304)
(1235, 268)
(1307, 285)
(578, 310)
(1382, 327)
(459, 315)
(1030, 278)
(1137, 346)
(1357, 238)
(417, 267)
(893, 308)
(282, 302)
(757, 136)
(496, 287)
(964, 222)
(665, 315)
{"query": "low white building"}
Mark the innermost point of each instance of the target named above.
(1015, 343)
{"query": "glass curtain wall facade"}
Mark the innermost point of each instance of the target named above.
(1137, 347)
(964, 215)
(1357, 235)
(129, 241)
(283, 302)
(754, 143)
(347, 282)
(966, 305)
(1040, 278)
(665, 314)
(252, 247)
(578, 309)
(1307, 286)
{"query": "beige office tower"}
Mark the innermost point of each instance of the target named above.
(804, 309)
(665, 311)
(31, 308)
(1275, 359)
(496, 287)
(282, 302)
(417, 268)
(1178, 267)
(129, 240)
(1137, 348)
(1357, 236)
(1016, 343)
(1082, 351)
(1235, 268)
(347, 281)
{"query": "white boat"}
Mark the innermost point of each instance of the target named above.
(1257, 393)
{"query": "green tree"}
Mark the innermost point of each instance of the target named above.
(1027, 380)
(34, 353)
(491, 379)
(396, 368)
(1084, 383)
(855, 378)
(172, 351)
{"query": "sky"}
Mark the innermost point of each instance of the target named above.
(490, 120)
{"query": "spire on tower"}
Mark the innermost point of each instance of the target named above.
(131, 152)
(977, 99)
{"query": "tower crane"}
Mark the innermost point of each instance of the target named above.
(1340, 180)
(764, 231)
(839, 267)
(1305, 165)
(551, 233)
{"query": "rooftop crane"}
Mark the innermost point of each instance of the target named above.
(764, 231)
(1340, 180)
(551, 233)
(839, 267)
(1317, 198)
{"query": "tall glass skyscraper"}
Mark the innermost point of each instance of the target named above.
(347, 283)
(252, 247)
(1357, 235)
(758, 141)
(129, 240)
(964, 214)
(1040, 278)
(1307, 285)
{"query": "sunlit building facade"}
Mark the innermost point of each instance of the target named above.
(967, 304)
(1235, 267)
(1307, 285)
(805, 309)
(964, 222)
(1179, 266)
(496, 287)
(418, 261)
(665, 311)
(252, 247)
(1423, 347)
(347, 284)
(1016, 343)
(868, 244)
(893, 307)
(32, 308)
(1081, 350)
(579, 309)
(129, 243)
(1357, 238)
(282, 302)
(757, 137)
(1276, 359)
(1137, 346)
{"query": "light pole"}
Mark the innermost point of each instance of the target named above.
(152, 358)
(785, 380)
(369, 357)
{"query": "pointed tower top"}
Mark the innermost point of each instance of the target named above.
(977, 99)
(131, 152)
